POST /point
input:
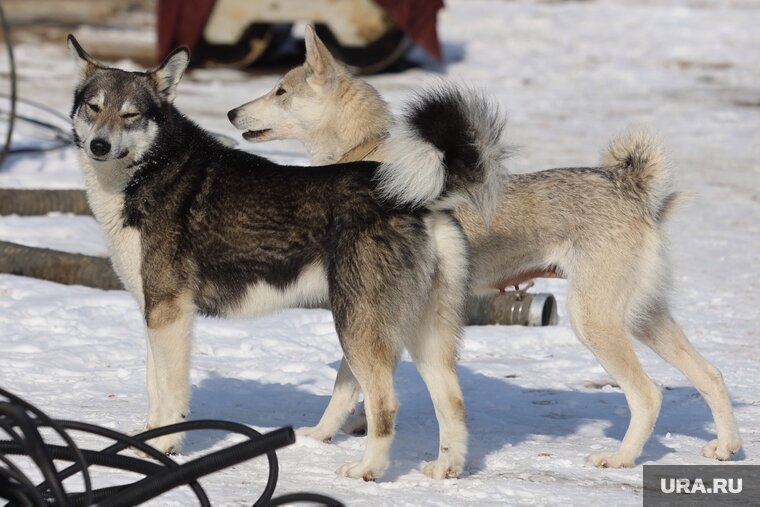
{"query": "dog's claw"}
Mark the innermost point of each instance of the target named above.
(168, 444)
(438, 470)
(610, 460)
(722, 450)
(358, 470)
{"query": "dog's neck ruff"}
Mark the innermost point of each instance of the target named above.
(363, 150)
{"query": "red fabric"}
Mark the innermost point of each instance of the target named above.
(418, 19)
(181, 22)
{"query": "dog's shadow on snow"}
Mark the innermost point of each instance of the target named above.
(500, 414)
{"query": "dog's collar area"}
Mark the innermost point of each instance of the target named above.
(362, 151)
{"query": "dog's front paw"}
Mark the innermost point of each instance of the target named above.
(611, 460)
(442, 469)
(167, 444)
(314, 432)
(359, 470)
(722, 449)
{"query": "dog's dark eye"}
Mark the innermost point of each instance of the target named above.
(280, 91)
(93, 107)
(127, 116)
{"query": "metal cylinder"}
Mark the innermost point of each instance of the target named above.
(512, 308)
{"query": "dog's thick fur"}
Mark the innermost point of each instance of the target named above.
(599, 227)
(194, 226)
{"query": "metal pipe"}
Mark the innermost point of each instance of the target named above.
(512, 308)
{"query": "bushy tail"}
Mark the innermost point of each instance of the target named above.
(646, 170)
(445, 150)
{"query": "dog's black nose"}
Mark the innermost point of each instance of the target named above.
(232, 114)
(100, 147)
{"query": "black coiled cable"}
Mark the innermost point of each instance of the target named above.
(12, 62)
(21, 421)
(62, 137)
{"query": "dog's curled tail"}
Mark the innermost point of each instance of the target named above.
(445, 150)
(642, 158)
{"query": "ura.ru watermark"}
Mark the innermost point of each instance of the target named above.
(690, 485)
(718, 485)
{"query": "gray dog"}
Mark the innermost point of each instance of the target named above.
(196, 227)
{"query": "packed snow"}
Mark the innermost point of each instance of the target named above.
(569, 75)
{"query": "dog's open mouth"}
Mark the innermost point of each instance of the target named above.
(251, 135)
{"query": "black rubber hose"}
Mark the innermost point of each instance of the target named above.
(16, 486)
(22, 483)
(274, 468)
(12, 63)
(305, 497)
(36, 450)
(209, 424)
(165, 480)
(13, 472)
(97, 494)
(122, 442)
(18, 496)
(61, 452)
(43, 418)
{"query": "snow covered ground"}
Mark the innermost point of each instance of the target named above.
(569, 75)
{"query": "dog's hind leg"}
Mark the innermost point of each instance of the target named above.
(668, 340)
(602, 330)
(379, 281)
(373, 358)
(342, 403)
(169, 327)
(434, 347)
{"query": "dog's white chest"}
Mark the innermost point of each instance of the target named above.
(123, 242)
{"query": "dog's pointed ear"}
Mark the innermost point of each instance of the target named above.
(85, 62)
(166, 76)
(318, 59)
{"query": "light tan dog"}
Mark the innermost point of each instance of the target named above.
(601, 228)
